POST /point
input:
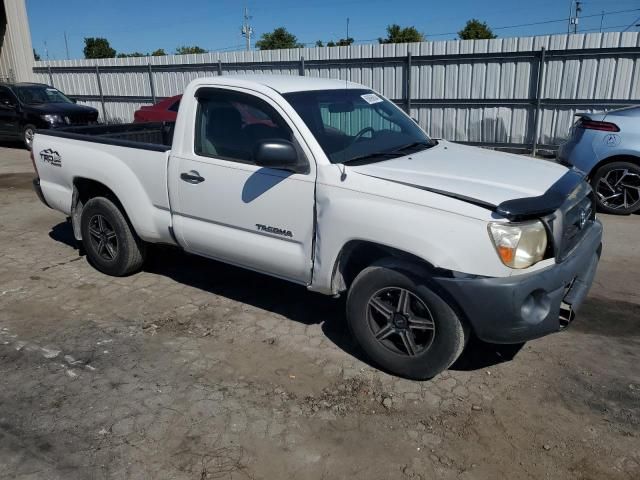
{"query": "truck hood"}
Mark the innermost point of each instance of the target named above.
(59, 108)
(469, 173)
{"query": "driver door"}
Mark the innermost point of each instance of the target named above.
(228, 208)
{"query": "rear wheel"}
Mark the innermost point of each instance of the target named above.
(28, 133)
(402, 324)
(111, 244)
(617, 187)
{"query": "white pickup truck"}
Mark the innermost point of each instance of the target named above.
(330, 185)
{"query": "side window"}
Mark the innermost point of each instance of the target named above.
(230, 125)
(5, 97)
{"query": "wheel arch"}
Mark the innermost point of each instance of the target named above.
(84, 189)
(356, 255)
(612, 159)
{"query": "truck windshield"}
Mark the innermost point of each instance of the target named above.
(33, 94)
(357, 125)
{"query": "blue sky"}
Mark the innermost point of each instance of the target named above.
(134, 25)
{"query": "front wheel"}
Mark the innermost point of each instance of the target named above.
(403, 325)
(111, 244)
(617, 187)
(28, 132)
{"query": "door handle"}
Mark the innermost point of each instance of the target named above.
(191, 177)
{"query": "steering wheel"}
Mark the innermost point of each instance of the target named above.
(359, 135)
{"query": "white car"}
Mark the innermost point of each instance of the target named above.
(330, 185)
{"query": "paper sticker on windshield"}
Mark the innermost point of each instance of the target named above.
(371, 98)
(51, 89)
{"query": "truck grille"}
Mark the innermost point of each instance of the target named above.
(577, 220)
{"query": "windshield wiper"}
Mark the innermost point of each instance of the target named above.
(398, 152)
(374, 156)
(412, 145)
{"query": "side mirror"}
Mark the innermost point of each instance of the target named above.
(74, 100)
(278, 154)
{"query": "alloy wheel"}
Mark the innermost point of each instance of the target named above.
(29, 133)
(400, 321)
(103, 238)
(619, 189)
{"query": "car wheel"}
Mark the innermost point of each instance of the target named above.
(617, 187)
(28, 133)
(109, 241)
(403, 325)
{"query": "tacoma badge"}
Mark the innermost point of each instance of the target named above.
(276, 230)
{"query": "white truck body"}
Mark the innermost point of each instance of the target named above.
(435, 204)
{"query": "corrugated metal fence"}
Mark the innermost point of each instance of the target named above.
(511, 92)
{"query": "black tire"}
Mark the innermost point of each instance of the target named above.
(617, 187)
(27, 135)
(447, 339)
(121, 252)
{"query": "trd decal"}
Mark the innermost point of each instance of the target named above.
(275, 230)
(52, 157)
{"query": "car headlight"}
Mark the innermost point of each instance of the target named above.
(52, 118)
(519, 245)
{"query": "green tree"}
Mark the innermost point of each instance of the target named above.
(319, 43)
(159, 52)
(36, 57)
(279, 38)
(475, 29)
(397, 34)
(98, 48)
(184, 50)
(133, 54)
(343, 42)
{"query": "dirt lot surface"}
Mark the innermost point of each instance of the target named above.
(196, 370)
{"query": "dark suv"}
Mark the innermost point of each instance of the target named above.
(25, 107)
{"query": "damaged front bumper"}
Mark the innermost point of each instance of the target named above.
(523, 307)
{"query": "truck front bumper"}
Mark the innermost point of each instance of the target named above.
(523, 307)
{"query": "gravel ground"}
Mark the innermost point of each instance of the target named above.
(197, 370)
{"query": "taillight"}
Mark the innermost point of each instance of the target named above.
(596, 125)
(33, 161)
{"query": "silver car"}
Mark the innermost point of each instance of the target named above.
(606, 147)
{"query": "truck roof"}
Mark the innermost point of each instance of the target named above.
(287, 83)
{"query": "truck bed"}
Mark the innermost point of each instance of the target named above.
(156, 136)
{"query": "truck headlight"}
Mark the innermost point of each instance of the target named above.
(519, 245)
(52, 118)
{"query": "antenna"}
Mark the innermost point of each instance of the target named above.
(247, 30)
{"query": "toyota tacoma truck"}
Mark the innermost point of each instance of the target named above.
(327, 184)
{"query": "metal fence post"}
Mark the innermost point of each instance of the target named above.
(408, 83)
(302, 66)
(538, 99)
(219, 67)
(152, 85)
(104, 110)
(50, 75)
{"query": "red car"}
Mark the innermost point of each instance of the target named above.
(164, 111)
(167, 111)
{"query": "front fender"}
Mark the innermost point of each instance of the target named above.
(441, 238)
